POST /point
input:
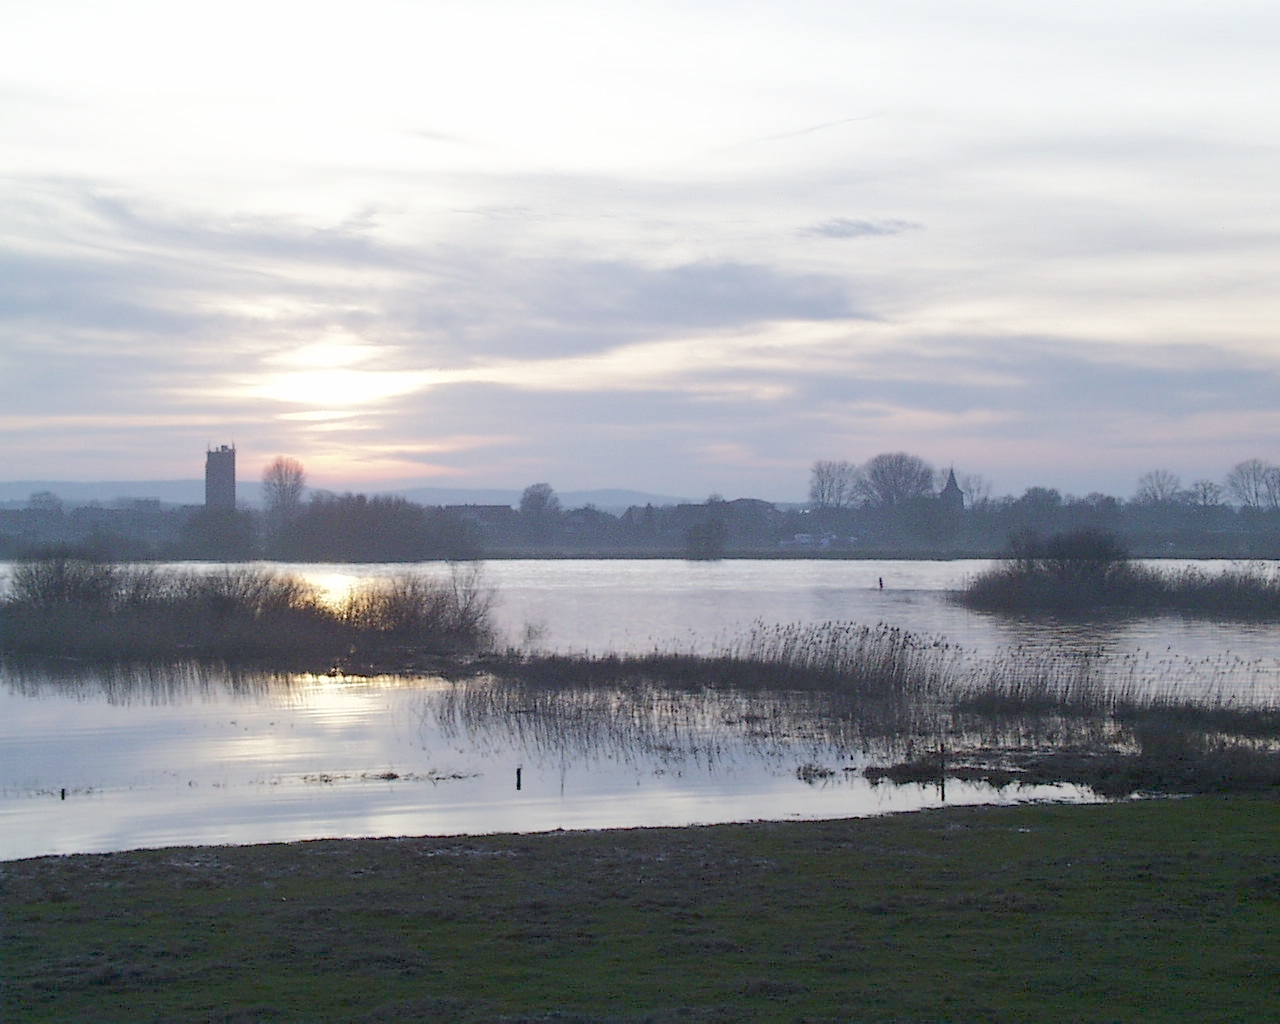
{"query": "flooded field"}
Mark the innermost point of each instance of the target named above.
(96, 760)
(190, 756)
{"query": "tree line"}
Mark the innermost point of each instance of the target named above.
(894, 478)
(894, 504)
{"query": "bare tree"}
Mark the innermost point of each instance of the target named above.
(1158, 487)
(977, 489)
(1247, 482)
(895, 477)
(1205, 493)
(832, 484)
(283, 483)
(1271, 487)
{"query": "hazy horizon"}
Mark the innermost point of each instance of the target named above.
(670, 248)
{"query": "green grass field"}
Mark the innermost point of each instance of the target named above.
(1138, 911)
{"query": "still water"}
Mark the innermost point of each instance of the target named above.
(187, 755)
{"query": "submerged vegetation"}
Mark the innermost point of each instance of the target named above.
(1017, 717)
(69, 608)
(928, 706)
(1088, 572)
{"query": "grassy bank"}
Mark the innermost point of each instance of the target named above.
(1142, 911)
(91, 611)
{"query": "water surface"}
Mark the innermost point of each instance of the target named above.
(187, 755)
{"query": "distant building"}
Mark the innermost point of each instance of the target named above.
(220, 478)
(951, 497)
(497, 517)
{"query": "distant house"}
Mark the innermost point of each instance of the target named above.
(488, 518)
(951, 498)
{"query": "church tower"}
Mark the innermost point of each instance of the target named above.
(220, 478)
(952, 498)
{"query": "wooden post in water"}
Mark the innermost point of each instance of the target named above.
(942, 768)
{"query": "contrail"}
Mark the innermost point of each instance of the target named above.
(810, 130)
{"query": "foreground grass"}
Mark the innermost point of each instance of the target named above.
(1160, 910)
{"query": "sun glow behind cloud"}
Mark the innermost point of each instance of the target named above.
(332, 378)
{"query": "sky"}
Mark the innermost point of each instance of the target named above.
(686, 248)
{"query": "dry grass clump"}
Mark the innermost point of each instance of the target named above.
(61, 607)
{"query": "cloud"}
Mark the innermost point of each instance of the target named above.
(847, 227)
(599, 287)
(137, 273)
(621, 299)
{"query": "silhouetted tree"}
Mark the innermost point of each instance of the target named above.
(539, 512)
(1158, 487)
(832, 484)
(218, 534)
(357, 528)
(1271, 484)
(1205, 493)
(1247, 483)
(705, 542)
(1039, 510)
(1040, 498)
(45, 501)
(976, 488)
(283, 483)
(894, 478)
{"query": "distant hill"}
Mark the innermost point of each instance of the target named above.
(191, 492)
(609, 500)
(171, 492)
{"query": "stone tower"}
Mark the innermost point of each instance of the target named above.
(220, 478)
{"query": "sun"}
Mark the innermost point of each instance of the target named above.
(337, 374)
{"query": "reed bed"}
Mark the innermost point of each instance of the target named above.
(642, 723)
(104, 612)
(1115, 723)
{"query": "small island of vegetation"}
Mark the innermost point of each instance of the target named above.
(1089, 572)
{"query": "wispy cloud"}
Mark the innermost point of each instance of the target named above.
(848, 227)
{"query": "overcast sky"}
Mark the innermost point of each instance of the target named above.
(678, 247)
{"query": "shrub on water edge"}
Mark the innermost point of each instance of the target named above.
(63, 580)
(1089, 572)
(448, 616)
(64, 607)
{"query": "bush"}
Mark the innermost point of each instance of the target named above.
(61, 580)
(1088, 571)
(441, 617)
(67, 608)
